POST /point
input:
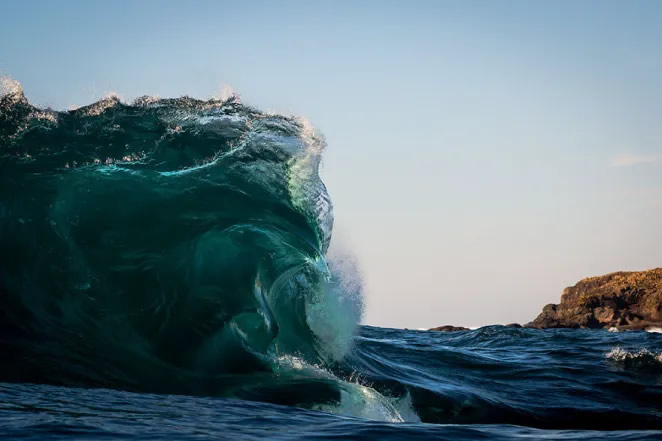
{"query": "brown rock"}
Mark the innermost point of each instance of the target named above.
(449, 328)
(626, 300)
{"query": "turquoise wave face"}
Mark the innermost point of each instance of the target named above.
(170, 245)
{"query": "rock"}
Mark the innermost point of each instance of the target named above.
(513, 325)
(449, 328)
(623, 300)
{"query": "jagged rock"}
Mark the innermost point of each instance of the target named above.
(624, 300)
(449, 328)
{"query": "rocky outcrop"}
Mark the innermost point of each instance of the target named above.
(449, 328)
(624, 300)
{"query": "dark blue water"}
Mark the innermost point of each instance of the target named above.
(492, 383)
(166, 273)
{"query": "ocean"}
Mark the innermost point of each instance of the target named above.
(166, 273)
(493, 383)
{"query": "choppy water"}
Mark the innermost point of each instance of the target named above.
(165, 273)
(493, 383)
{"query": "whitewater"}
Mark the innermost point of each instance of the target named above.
(165, 273)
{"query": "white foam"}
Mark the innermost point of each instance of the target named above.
(11, 89)
(226, 93)
(654, 329)
(356, 400)
(44, 115)
(101, 106)
(620, 354)
(9, 86)
(335, 308)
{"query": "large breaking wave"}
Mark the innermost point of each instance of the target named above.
(170, 245)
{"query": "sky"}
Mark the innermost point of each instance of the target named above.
(482, 155)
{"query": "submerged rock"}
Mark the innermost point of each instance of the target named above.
(449, 328)
(624, 300)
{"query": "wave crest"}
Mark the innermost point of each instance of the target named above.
(642, 358)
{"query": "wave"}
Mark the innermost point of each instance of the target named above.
(171, 245)
(642, 358)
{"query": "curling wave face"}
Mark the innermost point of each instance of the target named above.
(167, 245)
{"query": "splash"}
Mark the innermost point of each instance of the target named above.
(10, 87)
(642, 358)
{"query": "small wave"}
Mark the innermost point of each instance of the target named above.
(641, 358)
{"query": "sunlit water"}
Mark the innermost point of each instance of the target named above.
(166, 273)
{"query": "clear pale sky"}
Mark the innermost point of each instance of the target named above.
(482, 155)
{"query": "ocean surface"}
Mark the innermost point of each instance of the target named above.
(166, 272)
(493, 383)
